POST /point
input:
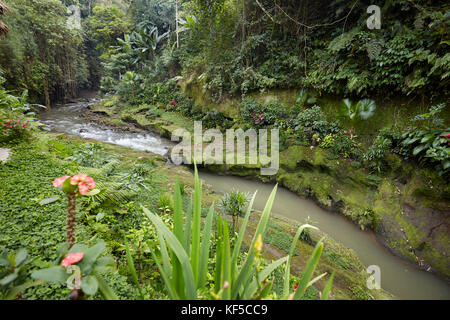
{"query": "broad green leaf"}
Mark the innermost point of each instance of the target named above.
(178, 213)
(77, 247)
(226, 261)
(93, 192)
(446, 164)
(9, 278)
(177, 276)
(21, 257)
(419, 149)
(219, 256)
(251, 289)
(310, 283)
(43, 202)
(176, 246)
(291, 254)
(15, 291)
(167, 266)
(246, 272)
(240, 238)
(169, 285)
(195, 250)
(132, 269)
(52, 275)
(90, 256)
(327, 289)
(105, 289)
(187, 228)
(204, 250)
(309, 270)
(427, 138)
(89, 285)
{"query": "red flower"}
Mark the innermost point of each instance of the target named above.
(59, 181)
(72, 258)
(296, 286)
(83, 181)
(446, 136)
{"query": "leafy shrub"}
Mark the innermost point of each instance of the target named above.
(249, 110)
(13, 273)
(328, 142)
(215, 119)
(346, 146)
(17, 116)
(262, 116)
(429, 143)
(90, 155)
(85, 274)
(374, 157)
(153, 113)
(312, 121)
(165, 203)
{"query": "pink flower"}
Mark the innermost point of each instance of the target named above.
(59, 181)
(72, 258)
(446, 136)
(345, 131)
(84, 183)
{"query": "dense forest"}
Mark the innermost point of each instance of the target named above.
(359, 98)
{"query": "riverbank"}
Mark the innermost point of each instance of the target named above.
(55, 152)
(405, 207)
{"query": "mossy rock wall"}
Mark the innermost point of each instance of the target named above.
(405, 213)
(408, 207)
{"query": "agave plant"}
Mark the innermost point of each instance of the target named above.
(185, 251)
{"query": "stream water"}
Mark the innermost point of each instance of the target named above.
(398, 277)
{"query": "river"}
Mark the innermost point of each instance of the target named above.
(402, 279)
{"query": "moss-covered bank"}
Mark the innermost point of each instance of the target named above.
(408, 207)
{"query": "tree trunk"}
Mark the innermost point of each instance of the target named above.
(71, 219)
(47, 95)
(176, 23)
